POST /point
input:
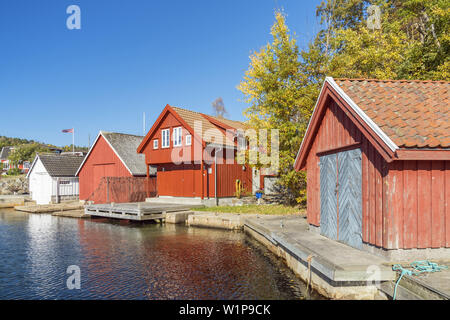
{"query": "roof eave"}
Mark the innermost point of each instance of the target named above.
(422, 154)
(167, 109)
(330, 86)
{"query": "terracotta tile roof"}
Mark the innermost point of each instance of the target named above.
(414, 114)
(191, 116)
(231, 123)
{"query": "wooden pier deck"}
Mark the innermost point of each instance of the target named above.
(141, 211)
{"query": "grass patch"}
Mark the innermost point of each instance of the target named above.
(6, 176)
(268, 209)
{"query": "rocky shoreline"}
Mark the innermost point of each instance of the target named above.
(13, 185)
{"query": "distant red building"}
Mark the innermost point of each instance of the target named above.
(186, 159)
(24, 166)
(111, 157)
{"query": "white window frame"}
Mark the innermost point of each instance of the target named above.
(177, 137)
(155, 144)
(165, 137)
(188, 140)
(242, 142)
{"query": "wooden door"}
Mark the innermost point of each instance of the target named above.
(341, 197)
(350, 197)
(328, 196)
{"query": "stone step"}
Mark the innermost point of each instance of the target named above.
(175, 200)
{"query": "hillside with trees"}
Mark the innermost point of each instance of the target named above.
(25, 150)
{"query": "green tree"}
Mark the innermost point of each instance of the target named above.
(69, 148)
(26, 152)
(274, 88)
(413, 42)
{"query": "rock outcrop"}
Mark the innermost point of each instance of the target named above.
(13, 185)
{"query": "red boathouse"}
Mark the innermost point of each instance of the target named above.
(112, 171)
(194, 153)
(377, 156)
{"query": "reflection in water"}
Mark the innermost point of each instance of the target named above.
(126, 260)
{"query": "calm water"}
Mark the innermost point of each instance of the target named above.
(122, 260)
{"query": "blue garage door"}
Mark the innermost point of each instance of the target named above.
(341, 197)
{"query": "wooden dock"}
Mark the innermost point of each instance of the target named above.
(140, 211)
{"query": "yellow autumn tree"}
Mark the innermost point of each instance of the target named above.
(274, 88)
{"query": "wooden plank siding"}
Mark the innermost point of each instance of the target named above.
(418, 198)
(226, 179)
(102, 162)
(405, 204)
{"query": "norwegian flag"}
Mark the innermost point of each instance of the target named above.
(68, 130)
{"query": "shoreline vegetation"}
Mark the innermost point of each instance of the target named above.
(265, 209)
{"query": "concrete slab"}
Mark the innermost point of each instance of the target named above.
(48, 208)
(72, 214)
(10, 201)
(436, 284)
(175, 200)
(228, 221)
(337, 261)
(177, 217)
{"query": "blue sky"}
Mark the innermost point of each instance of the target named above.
(129, 57)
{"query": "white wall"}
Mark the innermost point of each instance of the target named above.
(256, 180)
(67, 186)
(269, 185)
(40, 184)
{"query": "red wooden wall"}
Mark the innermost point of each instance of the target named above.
(418, 205)
(185, 179)
(405, 203)
(227, 174)
(102, 162)
(182, 180)
(164, 155)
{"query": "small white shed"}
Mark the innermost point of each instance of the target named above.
(52, 178)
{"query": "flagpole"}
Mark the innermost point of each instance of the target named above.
(73, 141)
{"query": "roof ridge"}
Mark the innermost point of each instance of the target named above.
(125, 134)
(204, 114)
(392, 80)
(58, 155)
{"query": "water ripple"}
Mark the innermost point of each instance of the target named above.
(124, 260)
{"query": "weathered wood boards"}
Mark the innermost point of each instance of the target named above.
(134, 211)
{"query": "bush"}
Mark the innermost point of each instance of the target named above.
(14, 172)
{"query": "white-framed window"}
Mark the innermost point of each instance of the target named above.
(242, 142)
(155, 144)
(177, 137)
(188, 140)
(165, 136)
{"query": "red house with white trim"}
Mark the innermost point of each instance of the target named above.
(377, 156)
(24, 166)
(195, 155)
